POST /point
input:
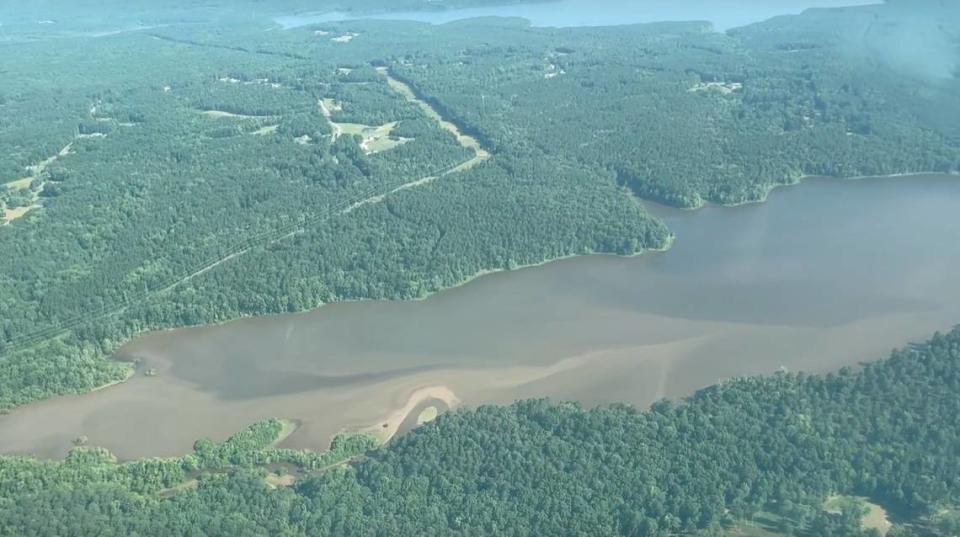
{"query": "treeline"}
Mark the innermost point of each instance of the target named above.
(95, 467)
(685, 116)
(168, 191)
(767, 448)
(175, 191)
(171, 218)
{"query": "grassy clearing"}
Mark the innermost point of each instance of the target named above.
(190, 484)
(345, 38)
(327, 108)
(380, 145)
(875, 516)
(9, 215)
(376, 139)
(725, 88)
(332, 105)
(464, 140)
(263, 131)
(36, 171)
(20, 184)
(276, 480)
(764, 524)
(354, 128)
(947, 518)
(429, 414)
(220, 114)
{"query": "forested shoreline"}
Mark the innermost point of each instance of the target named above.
(198, 166)
(757, 452)
(196, 179)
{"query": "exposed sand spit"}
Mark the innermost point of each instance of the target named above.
(387, 427)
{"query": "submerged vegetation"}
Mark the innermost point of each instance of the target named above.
(774, 453)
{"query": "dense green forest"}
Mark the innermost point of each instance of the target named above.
(28, 20)
(199, 164)
(194, 173)
(752, 456)
(685, 116)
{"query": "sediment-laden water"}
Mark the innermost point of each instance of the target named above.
(825, 274)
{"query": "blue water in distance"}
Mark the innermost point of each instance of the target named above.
(724, 14)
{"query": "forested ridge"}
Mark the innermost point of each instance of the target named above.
(770, 449)
(685, 116)
(187, 174)
(88, 15)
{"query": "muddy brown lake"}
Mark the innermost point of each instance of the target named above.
(823, 275)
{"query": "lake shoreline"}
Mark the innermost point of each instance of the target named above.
(469, 279)
(769, 189)
(811, 282)
(117, 356)
(128, 374)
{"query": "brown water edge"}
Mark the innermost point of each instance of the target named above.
(826, 274)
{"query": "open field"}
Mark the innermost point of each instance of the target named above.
(220, 114)
(263, 131)
(20, 184)
(345, 38)
(9, 215)
(465, 140)
(762, 525)
(36, 173)
(875, 517)
(376, 139)
(275, 480)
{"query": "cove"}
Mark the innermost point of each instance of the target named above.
(825, 274)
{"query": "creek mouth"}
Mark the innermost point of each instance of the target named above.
(823, 275)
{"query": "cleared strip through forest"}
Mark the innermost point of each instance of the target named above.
(266, 238)
(226, 47)
(467, 141)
